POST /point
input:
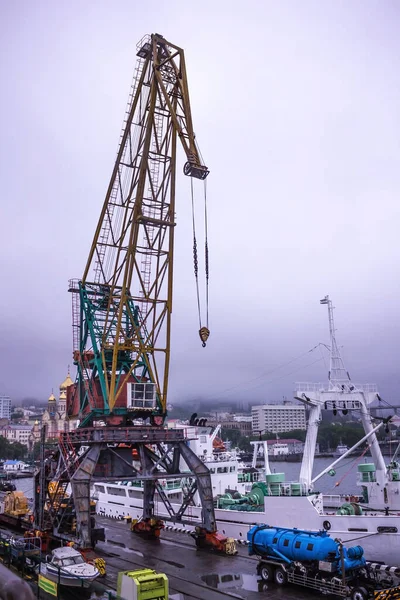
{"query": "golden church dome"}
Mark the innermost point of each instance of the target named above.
(66, 383)
(63, 394)
(52, 398)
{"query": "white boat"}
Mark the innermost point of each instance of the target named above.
(340, 449)
(67, 566)
(371, 518)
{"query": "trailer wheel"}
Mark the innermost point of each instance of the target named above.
(266, 572)
(281, 578)
(359, 593)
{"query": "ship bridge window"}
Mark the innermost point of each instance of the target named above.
(99, 488)
(222, 469)
(286, 543)
(232, 469)
(116, 491)
(297, 545)
(310, 546)
(212, 471)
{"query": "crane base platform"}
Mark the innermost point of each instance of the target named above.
(106, 454)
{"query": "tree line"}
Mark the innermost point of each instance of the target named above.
(12, 450)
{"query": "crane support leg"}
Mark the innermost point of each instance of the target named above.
(202, 474)
(80, 483)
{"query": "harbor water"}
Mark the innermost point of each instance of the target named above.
(343, 482)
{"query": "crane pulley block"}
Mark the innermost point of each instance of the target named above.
(194, 170)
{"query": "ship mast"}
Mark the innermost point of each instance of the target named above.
(339, 378)
(341, 395)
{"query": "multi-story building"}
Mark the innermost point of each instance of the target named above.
(5, 407)
(242, 423)
(276, 418)
(16, 433)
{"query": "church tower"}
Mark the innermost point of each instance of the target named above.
(52, 406)
(63, 394)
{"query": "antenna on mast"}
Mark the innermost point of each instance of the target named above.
(339, 378)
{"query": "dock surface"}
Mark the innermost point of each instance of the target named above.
(192, 573)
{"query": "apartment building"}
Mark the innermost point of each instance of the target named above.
(277, 418)
(242, 423)
(17, 433)
(5, 407)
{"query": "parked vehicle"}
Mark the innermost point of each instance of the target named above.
(314, 560)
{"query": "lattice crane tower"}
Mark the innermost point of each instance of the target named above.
(122, 305)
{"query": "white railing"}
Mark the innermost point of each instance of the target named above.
(337, 500)
(324, 387)
(311, 387)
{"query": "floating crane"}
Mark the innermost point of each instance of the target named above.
(122, 320)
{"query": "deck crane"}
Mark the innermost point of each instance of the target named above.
(122, 324)
(122, 305)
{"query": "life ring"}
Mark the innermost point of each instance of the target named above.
(326, 525)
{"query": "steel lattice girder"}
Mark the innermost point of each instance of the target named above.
(103, 460)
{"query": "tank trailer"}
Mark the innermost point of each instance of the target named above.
(314, 560)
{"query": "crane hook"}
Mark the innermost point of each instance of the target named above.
(204, 334)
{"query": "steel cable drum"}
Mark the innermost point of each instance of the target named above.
(292, 543)
(257, 494)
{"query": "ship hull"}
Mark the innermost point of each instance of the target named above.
(377, 533)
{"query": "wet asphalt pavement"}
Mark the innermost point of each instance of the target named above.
(192, 573)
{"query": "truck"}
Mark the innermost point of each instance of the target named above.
(315, 560)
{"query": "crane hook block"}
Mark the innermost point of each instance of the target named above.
(193, 169)
(204, 334)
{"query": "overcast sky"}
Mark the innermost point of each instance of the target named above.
(296, 110)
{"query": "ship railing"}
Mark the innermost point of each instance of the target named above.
(167, 484)
(288, 488)
(218, 457)
(248, 477)
(306, 386)
(337, 500)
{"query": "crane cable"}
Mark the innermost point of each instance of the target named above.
(204, 332)
(206, 248)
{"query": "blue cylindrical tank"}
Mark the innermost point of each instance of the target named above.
(304, 546)
(293, 544)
